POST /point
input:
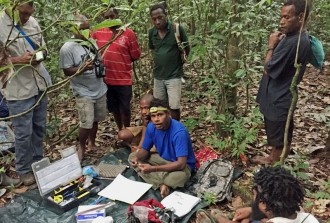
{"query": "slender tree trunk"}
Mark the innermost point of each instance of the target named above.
(228, 99)
(232, 57)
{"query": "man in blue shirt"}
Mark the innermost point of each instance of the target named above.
(171, 167)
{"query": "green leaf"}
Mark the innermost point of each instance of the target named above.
(108, 24)
(85, 33)
(309, 204)
(240, 73)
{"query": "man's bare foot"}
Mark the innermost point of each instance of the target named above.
(203, 217)
(262, 160)
(164, 190)
(93, 148)
(216, 214)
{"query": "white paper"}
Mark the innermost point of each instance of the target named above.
(125, 190)
(181, 203)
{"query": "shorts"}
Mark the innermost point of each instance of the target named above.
(275, 132)
(169, 90)
(119, 99)
(91, 111)
(137, 133)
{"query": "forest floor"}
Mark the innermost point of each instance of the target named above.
(311, 117)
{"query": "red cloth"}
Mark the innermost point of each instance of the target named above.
(119, 55)
(203, 155)
(150, 203)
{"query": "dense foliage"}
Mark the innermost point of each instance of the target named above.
(228, 39)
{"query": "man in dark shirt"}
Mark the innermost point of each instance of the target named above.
(274, 94)
(168, 65)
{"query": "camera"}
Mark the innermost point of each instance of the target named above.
(39, 56)
(99, 69)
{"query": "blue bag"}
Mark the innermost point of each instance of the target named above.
(317, 55)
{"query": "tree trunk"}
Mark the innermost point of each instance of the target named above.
(232, 57)
(228, 98)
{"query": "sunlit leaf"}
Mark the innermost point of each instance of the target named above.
(108, 24)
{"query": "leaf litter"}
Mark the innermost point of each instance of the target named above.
(311, 117)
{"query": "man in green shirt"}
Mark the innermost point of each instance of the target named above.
(168, 65)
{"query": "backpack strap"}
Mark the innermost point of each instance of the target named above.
(27, 38)
(176, 27)
(177, 33)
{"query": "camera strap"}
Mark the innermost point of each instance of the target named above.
(27, 38)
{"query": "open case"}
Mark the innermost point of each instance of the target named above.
(60, 183)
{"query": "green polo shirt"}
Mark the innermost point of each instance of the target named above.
(166, 54)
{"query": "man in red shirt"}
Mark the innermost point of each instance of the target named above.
(118, 60)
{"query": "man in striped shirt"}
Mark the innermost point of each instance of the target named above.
(118, 60)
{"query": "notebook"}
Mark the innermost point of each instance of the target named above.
(181, 203)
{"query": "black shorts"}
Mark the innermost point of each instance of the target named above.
(275, 132)
(119, 99)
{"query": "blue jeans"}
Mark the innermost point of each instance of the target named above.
(3, 107)
(29, 131)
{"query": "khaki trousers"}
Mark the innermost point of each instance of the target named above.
(172, 179)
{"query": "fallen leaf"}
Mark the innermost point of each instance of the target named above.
(237, 202)
(320, 206)
(249, 174)
(20, 190)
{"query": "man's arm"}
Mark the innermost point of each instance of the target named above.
(134, 48)
(141, 155)
(151, 45)
(184, 40)
(72, 70)
(178, 165)
(242, 213)
(142, 136)
(67, 62)
(26, 58)
(273, 41)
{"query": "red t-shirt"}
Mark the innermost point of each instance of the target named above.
(119, 55)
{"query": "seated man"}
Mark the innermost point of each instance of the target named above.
(88, 89)
(133, 136)
(277, 199)
(172, 166)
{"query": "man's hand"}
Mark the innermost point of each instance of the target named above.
(242, 213)
(274, 39)
(145, 168)
(134, 161)
(25, 58)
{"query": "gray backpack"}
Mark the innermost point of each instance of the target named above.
(215, 177)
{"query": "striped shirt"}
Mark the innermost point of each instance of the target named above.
(119, 55)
